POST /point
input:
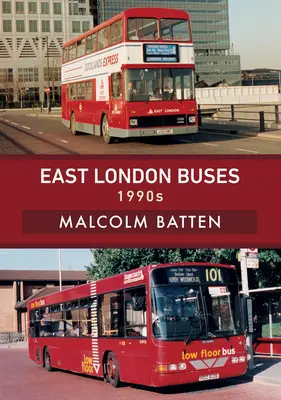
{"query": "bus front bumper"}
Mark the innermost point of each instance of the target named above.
(182, 378)
(157, 131)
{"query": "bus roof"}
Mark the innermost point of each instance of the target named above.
(130, 13)
(79, 291)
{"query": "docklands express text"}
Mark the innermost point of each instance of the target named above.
(140, 175)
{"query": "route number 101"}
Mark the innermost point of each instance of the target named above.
(213, 275)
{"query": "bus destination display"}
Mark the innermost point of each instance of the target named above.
(161, 53)
(193, 275)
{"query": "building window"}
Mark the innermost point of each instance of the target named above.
(135, 312)
(89, 90)
(111, 315)
(85, 26)
(75, 9)
(116, 32)
(76, 26)
(32, 7)
(57, 8)
(20, 26)
(7, 25)
(102, 38)
(33, 26)
(45, 8)
(19, 7)
(6, 7)
(58, 26)
(28, 74)
(82, 11)
(45, 26)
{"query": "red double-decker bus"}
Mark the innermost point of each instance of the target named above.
(132, 76)
(158, 325)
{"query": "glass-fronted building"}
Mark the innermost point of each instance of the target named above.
(215, 60)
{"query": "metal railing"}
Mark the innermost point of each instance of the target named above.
(11, 337)
(233, 114)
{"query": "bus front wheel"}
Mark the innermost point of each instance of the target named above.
(113, 376)
(105, 131)
(47, 361)
(73, 125)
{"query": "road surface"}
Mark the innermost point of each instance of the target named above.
(21, 133)
(21, 379)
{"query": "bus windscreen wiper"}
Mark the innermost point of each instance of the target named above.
(219, 328)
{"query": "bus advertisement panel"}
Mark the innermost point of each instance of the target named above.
(132, 76)
(158, 325)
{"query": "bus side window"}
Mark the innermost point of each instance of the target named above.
(91, 43)
(102, 38)
(116, 32)
(135, 312)
(116, 85)
(81, 48)
(80, 90)
(111, 314)
(89, 90)
(65, 54)
(73, 91)
(72, 51)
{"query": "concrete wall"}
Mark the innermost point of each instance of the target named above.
(238, 95)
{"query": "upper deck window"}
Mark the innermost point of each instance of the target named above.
(175, 29)
(91, 43)
(72, 51)
(142, 29)
(116, 32)
(103, 38)
(65, 54)
(81, 48)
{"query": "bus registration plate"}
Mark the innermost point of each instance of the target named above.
(161, 131)
(208, 377)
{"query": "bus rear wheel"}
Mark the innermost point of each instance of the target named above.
(105, 131)
(73, 125)
(47, 361)
(113, 376)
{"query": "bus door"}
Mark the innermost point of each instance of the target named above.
(136, 349)
(116, 108)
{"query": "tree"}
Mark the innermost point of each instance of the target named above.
(108, 262)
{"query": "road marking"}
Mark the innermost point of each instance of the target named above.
(25, 127)
(248, 151)
(211, 144)
(242, 136)
(41, 133)
(7, 120)
(14, 123)
(64, 141)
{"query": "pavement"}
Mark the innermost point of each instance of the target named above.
(22, 379)
(21, 133)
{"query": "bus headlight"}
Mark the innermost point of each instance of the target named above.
(133, 122)
(182, 366)
(172, 367)
(192, 120)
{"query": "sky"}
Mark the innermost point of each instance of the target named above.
(255, 31)
(35, 259)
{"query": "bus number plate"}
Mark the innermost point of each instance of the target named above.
(208, 377)
(161, 131)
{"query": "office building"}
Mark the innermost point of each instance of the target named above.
(215, 61)
(32, 33)
(18, 287)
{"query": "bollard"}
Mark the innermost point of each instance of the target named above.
(277, 119)
(262, 124)
(232, 113)
(199, 116)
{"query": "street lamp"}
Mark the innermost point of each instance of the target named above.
(48, 73)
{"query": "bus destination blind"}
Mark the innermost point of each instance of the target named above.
(161, 53)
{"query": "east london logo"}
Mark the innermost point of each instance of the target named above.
(208, 353)
(87, 365)
(38, 303)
